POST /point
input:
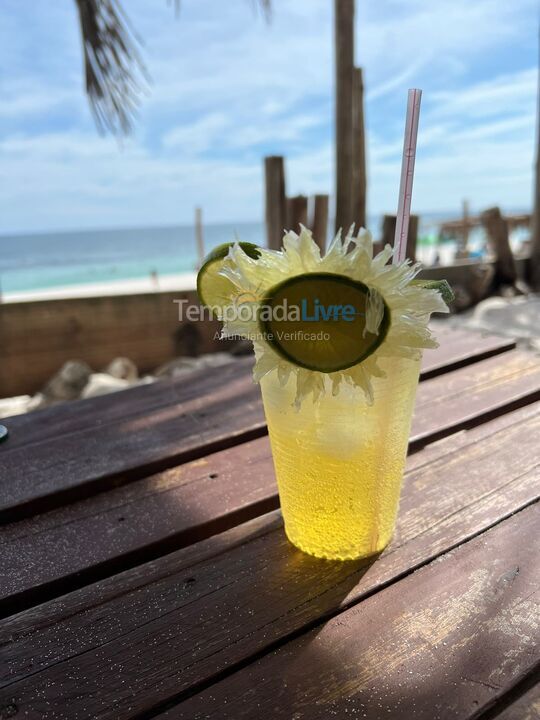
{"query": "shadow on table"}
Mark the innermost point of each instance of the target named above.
(443, 646)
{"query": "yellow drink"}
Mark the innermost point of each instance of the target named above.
(339, 461)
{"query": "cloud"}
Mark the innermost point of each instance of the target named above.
(31, 100)
(508, 93)
(220, 132)
(228, 88)
(450, 34)
(199, 136)
(397, 81)
(44, 171)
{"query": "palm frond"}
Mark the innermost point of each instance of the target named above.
(114, 71)
(265, 5)
(176, 4)
(115, 74)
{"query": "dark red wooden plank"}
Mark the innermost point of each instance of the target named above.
(181, 620)
(458, 348)
(131, 524)
(525, 706)
(448, 641)
(65, 418)
(471, 394)
(60, 470)
(128, 525)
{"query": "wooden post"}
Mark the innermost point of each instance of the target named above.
(377, 247)
(276, 211)
(463, 233)
(344, 53)
(535, 227)
(496, 228)
(320, 220)
(412, 238)
(389, 232)
(359, 178)
(465, 236)
(297, 212)
(199, 237)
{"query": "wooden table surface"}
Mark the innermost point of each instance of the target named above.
(145, 572)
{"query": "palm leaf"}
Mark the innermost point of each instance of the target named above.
(115, 74)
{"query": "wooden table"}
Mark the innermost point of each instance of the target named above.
(145, 572)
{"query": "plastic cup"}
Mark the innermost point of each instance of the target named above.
(339, 461)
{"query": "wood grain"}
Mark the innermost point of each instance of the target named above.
(466, 396)
(457, 348)
(60, 470)
(524, 707)
(344, 67)
(66, 418)
(80, 543)
(184, 619)
(275, 205)
(448, 641)
(66, 548)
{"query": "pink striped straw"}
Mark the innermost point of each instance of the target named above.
(407, 175)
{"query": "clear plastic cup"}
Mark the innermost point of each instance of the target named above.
(339, 461)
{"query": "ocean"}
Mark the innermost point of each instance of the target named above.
(62, 259)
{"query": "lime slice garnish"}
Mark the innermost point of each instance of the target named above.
(214, 290)
(442, 286)
(318, 321)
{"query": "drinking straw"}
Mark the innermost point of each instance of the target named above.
(407, 175)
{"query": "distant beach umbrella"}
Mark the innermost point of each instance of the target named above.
(115, 73)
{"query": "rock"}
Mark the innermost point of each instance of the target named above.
(462, 299)
(103, 383)
(471, 281)
(510, 291)
(123, 369)
(242, 347)
(187, 340)
(517, 317)
(185, 365)
(37, 402)
(68, 382)
(472, 287)
(14, 405)
(481, 281)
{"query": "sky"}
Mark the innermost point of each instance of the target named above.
(228, 87)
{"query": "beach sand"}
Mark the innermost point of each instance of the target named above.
(164, 283)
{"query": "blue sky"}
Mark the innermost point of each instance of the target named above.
(229, 88)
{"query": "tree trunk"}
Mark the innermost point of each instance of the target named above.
(297, 212)
(320, 220)
(276, 215)
(463, 238)
(535, 229)
(497, 230)
(388, 230)
(389, 234)
(359, 179)
(412, 238)
(344, 52)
